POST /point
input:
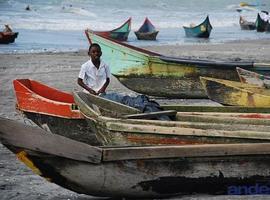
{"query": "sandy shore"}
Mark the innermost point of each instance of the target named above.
(60, 70)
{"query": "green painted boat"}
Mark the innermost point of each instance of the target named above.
(184, 128)
(261, 25)
(202, 30)
(153, 74)
(121, 33)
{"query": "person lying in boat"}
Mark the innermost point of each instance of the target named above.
(7, 29)
(95, 74)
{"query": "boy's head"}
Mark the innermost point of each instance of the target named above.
(94, 51)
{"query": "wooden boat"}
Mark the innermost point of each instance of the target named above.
(261, 25)
(52, 110)
(153, 74)
(8, 37)
(202, 30)
(235, 93)
(147, 31)
(121, 33)
(186, 128)
(246, 25)
(250, 77)
(139, 172)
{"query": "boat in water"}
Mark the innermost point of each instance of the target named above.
(8, 37)
(246, 25)
(262, 25)
(147, 31)
(121, 33)
(203, 30)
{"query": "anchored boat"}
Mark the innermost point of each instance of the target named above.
(203, 30)
(121, 33)
(147, 31)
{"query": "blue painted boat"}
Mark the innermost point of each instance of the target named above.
(202, 30)
(147, 31)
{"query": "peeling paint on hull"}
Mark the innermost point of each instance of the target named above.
(154, 178)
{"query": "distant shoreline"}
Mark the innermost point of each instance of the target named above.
(249, 50)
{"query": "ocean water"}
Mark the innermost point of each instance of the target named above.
(58, 25)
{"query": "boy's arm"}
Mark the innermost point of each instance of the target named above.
(104, 87)
(81, 83)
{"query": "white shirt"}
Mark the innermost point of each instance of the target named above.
(93, 77)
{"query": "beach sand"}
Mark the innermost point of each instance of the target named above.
(60, 70)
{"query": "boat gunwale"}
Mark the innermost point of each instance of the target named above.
(248, 90)
(206, 21)
(104, 154)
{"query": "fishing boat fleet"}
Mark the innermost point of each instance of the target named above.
(96, 146)
(147, 31)
(113, 150)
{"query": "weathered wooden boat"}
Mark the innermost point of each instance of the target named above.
(250, 77)
(121, 33)
(147, 31)
(114, 127)
(139, 172)
(52, 110)
(8, 37)
(202, 30)
(261, 25)
(246, 25)
(236, 93)
(153, 74)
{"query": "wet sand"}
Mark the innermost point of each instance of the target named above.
(60, 70)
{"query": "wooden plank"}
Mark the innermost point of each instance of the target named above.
(190, 124)
(34, 138)
(180, 131)
(219, 114)
(223, 119)
(241, 109)
(209, 150)
(151, 115)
